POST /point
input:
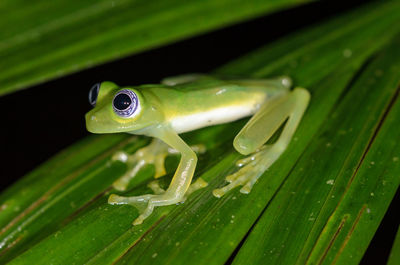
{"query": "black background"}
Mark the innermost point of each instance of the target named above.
(55, 110)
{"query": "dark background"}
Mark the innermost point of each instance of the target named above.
(55, 110)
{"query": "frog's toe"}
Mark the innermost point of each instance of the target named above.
(238, 175)
(155, 187)
(120, 156)
(249, 185)
(121, 184)
(115, 199)
(140, 202)
(251, 168)
(218, 193)
(159, 161)
(245, 176)
(146, 212)
(247, 160)
(139, 220)
(156, 200)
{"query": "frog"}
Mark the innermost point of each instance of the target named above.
(186, 103)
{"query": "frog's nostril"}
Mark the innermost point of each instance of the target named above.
(91, 122)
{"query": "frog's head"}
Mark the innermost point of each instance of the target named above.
(117, 109)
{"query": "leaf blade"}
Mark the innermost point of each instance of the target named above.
(314, 191)
(63, 37)
(202, 210)
(394, 257)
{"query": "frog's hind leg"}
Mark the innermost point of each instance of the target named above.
(257, 131)
(279, 84)
(181, 79)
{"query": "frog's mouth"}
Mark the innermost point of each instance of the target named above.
(96, 123)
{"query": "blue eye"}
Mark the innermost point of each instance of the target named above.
(93, 93)
(125, 103)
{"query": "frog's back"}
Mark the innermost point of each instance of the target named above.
(208, 102)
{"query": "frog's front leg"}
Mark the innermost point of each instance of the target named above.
(257, 131)
(154, 153)
(178, 186)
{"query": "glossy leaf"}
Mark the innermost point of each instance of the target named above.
(73, 222)
(48, 39)
(328, 209)
(394, 257)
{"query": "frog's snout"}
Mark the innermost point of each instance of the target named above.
(96, 122)
(91, 121)
(91, 118)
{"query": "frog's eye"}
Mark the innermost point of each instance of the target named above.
(93, 93)
(125, 103)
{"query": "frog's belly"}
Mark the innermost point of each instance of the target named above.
(220, 115)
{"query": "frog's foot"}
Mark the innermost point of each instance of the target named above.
(252, 167)
(198, 184)
(140, 202)
(145, 203)
(155, 153)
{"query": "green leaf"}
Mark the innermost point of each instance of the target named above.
(394, 257)
(48, 39)
(65, 217)
(328, 210)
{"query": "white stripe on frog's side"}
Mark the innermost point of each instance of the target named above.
(212, 117)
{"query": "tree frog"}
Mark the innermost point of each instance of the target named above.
(189, 102)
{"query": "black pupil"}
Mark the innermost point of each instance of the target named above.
(122, 101)
(94, 91)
